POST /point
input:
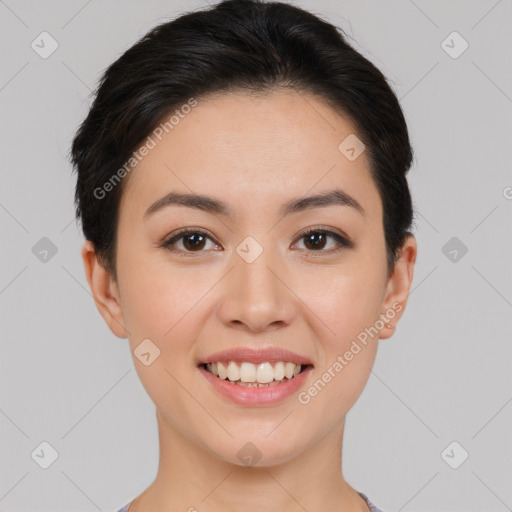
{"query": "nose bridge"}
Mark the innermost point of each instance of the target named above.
(254, 267)
(256, 295)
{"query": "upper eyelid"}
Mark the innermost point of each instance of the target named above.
(187, 231)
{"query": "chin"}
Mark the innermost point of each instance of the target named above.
(258, 450)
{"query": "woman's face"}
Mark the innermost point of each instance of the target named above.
(248, 278)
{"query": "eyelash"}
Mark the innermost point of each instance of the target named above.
(343, 243)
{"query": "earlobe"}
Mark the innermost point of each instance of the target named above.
(104, 290)
(398, 287)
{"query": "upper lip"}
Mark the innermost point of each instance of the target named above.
(256, 356)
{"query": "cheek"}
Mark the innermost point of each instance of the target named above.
(350, 308)
(161, 302)
(347, 300)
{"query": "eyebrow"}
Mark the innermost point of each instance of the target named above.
(336, 197)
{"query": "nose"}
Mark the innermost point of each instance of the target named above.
(256, 297)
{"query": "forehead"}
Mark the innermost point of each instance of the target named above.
(252, 146)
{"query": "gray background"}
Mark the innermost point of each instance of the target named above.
(445, 375)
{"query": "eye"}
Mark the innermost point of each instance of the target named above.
(315, 240)
(192, 240)
(196, 240)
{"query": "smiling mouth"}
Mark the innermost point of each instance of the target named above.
(260, 375)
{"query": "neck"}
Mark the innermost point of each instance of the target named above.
(190, 478)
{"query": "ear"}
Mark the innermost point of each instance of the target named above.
(398, 287)
(104, 290)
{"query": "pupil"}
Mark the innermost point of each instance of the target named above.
(197, 241)
(317, 239)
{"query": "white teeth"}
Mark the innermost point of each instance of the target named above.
(288, 370)
(251, 375)
(279, 371)
(212, 367)
(256, 384)
(233, 371)
(265, 373)
(247, 372)
(221, 369)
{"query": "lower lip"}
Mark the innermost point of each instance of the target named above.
(256, 396)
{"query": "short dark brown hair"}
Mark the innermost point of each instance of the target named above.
(237, 45)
